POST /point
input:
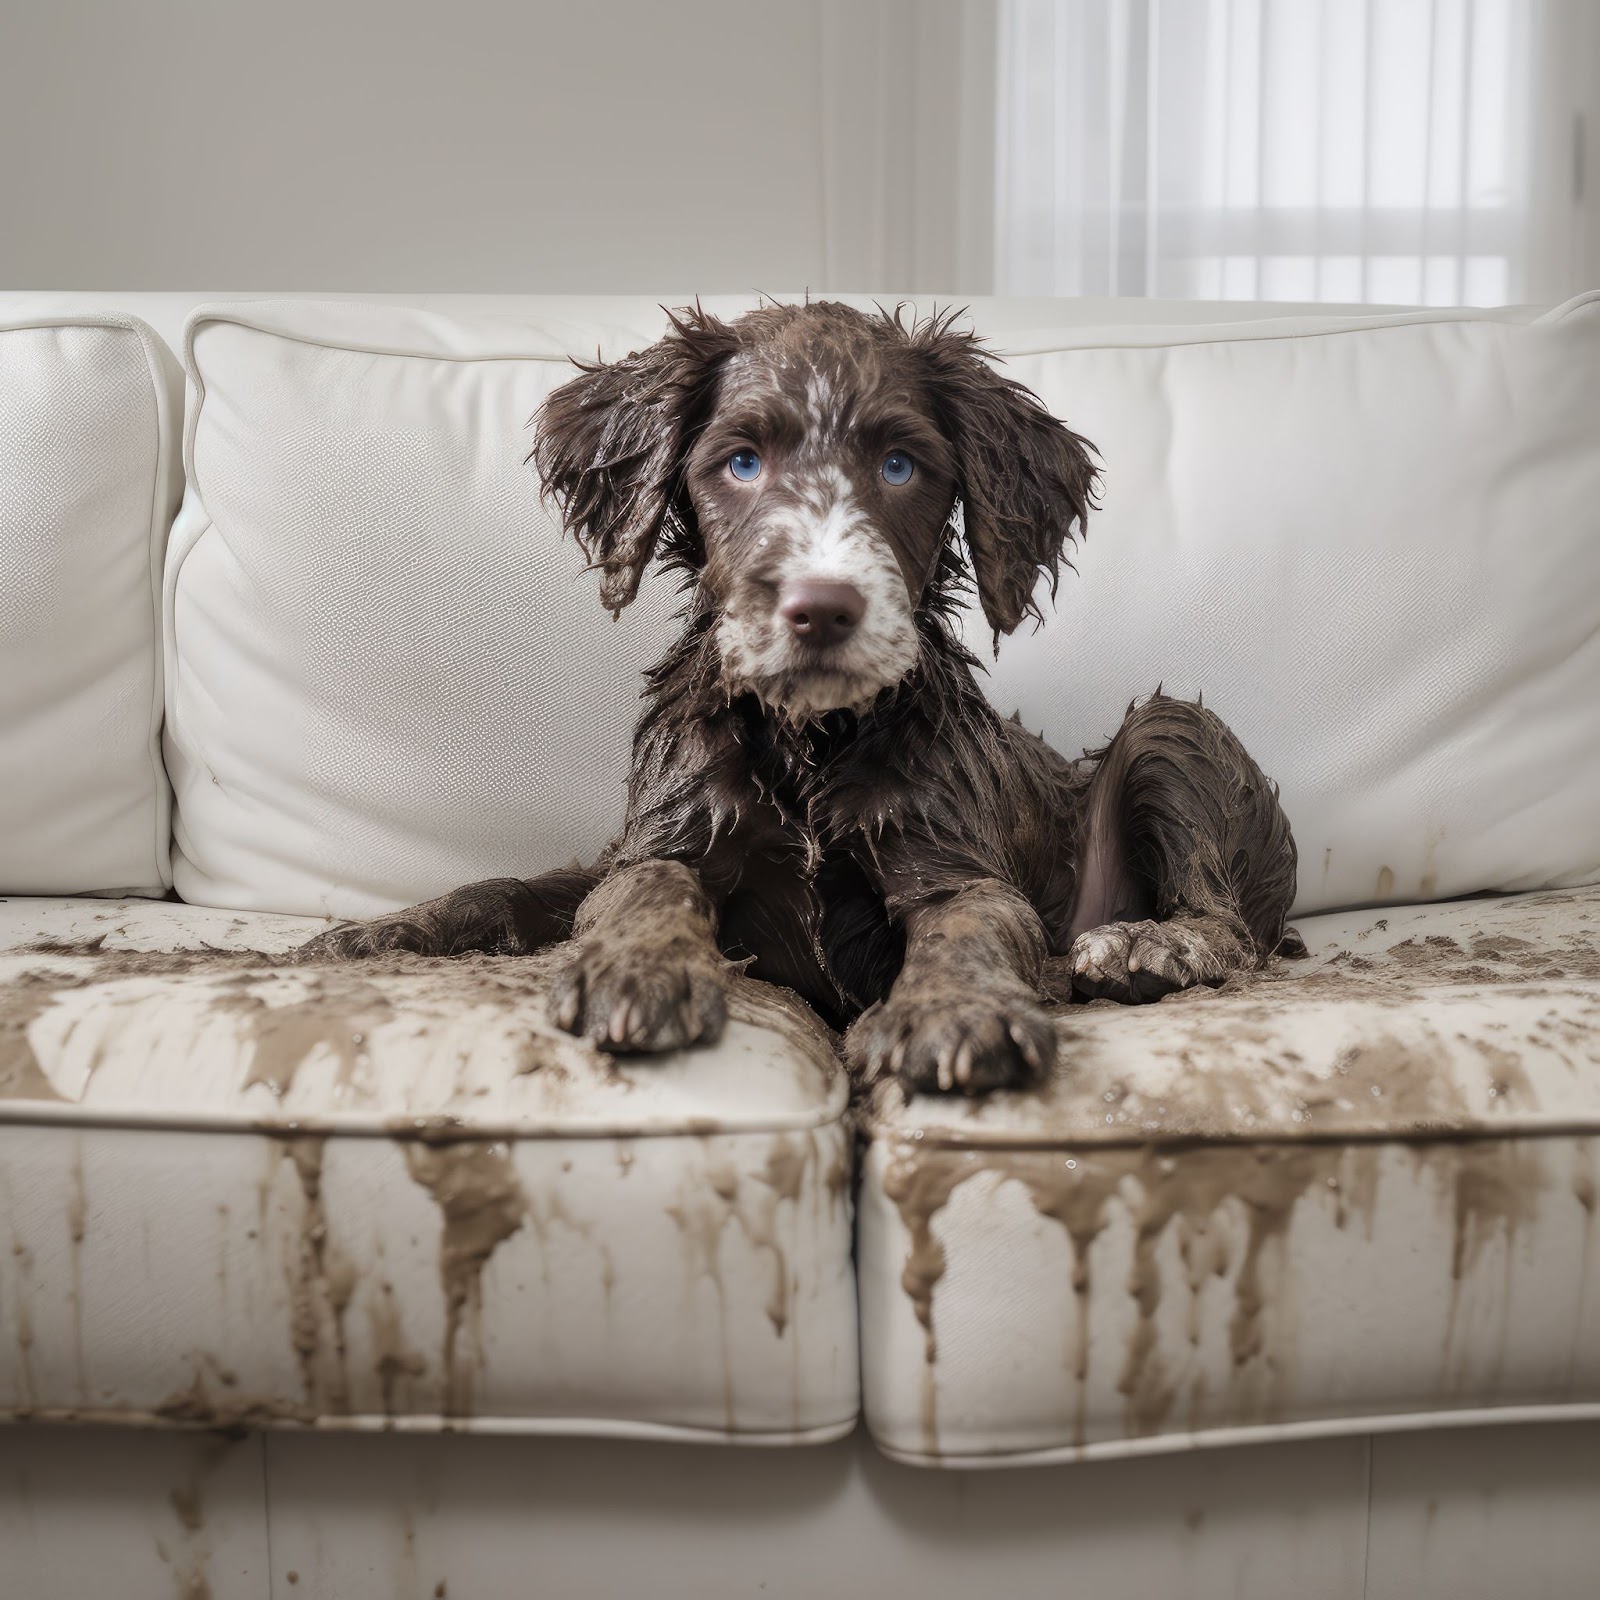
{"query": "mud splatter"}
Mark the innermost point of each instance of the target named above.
(23, 999)
(481, 1203)
(295, 1010)
(1245, 1060)
(284, 1034)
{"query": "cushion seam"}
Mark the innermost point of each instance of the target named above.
(1244, 332)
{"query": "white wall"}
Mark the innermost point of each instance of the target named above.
(684, 146)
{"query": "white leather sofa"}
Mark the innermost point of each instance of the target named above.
(293, 640)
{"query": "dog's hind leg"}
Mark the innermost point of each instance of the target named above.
(501, 916)
(1187, 863)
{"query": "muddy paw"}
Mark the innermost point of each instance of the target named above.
(352, 941)
(961, 1046)
(1138, 961)
(623, 999)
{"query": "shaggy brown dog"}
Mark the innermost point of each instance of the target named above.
(819, 787)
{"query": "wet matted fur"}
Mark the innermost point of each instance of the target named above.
(819, 788)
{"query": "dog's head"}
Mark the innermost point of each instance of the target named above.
(807, 462)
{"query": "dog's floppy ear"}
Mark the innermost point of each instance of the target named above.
(1026, 481)
(610, 445)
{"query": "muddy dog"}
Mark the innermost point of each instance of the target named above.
(819, 789)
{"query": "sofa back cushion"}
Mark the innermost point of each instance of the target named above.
(1373, 546)
(1371, 543)
(89, 477)
(389, 673)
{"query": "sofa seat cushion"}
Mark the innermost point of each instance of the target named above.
(1355, 1192)
(393, 1193)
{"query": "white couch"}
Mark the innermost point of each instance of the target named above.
(1346, 1203)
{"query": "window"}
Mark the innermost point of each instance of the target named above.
(1398, 151)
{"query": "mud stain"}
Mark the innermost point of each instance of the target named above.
(1583, 1191)
(1229, 1208)
(481, 1204)
(77, 1227)
(702, 1212)
(1247, 1059)
(1492, 1188)
(322, 1283)
(293, 1011)
(1510, 1087)
(395, 1362)
(186, 1506)
(783, 1179)
(196, 1406)
(1186, 1189)
(785, 1172)
(22, 1269)
(23, 999)
(839, 1178)
(920, 1183)
(284, 1034)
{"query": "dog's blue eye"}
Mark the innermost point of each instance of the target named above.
(897, 467)
(745, 465)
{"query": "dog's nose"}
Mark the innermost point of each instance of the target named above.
(822, 613)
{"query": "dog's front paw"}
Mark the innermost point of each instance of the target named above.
(353, 941)
(1139, 961)
(626, 999)
(967, 1046)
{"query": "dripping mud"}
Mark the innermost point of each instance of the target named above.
(481, 1204)
(1229, 1209)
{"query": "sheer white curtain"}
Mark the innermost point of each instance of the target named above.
(1401, 151)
